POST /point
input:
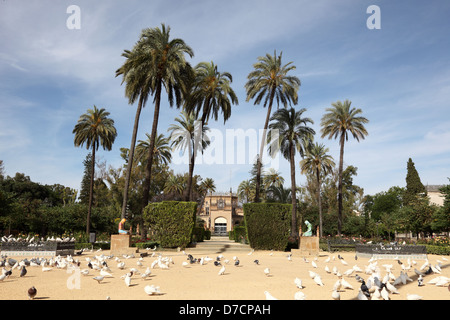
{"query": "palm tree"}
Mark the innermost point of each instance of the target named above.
(245, 189)
(268, 81)
(187, 134)
(211, 92)
(207, 185)
(337, 123)
(94, 128)
(319, 163)
(289, 132)
(279, 194)
(161, 153)
(273, 178)
(174, 184)
(156, 62)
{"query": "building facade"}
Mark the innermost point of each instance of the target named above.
(436, 197)
(221, 212)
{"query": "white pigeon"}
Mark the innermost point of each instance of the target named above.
(313, 264)
(128, 279)
(299, 295)
(312, 274)
(84, 272)
(46, 269)
(185, 264)
(152, 290)
(357, 269)
(222, 271)
(98, 278)
(267, 271)
(327, 259)
(337, 285)
(269, 296)
(146, 273)
(298, 283)
(362, 296)
(251, 252)
(344, 262)
(413, 297)
(345, 284)
(392, 289)
(384, 294)
(348, 272)
(376, 294)
(318, 280)
(335, 295)
(327, 269)
(335, 270)
(105, 273)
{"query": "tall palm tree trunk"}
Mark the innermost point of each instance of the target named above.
(191, 174)
(319, 201)
(130, 159)
(148, 171)
(341, 169)
(294, 231)
(91, 193)
(261, 148)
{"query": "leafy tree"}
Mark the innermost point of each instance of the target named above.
(338, 122)
(270, 81)
(441, 218)
(94, 128)
(414, 186)
(289, 132)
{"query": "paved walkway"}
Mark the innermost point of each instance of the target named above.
(217, 245)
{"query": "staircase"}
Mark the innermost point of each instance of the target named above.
(218, 245)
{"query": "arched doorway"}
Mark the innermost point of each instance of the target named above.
(220, 226)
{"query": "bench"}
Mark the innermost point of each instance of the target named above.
(336, 244)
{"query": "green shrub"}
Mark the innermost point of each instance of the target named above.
(198, 234)
(146, 244)
(172, 222)
(240, 234)
(268, 225)
(439, 250)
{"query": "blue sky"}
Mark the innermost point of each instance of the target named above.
(398, 75)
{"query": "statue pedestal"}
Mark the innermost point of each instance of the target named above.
(120, 244)
(309, 246)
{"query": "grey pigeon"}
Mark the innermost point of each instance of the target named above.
(377, 282)
(365, 289)
(23, 272)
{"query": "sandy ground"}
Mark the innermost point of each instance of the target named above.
(202, 282)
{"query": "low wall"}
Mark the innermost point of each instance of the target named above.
(42, 248)
(389, 251)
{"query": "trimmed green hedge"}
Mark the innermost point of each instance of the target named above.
(239, 234)
(172, 221)
(439, 250)
(268, 225)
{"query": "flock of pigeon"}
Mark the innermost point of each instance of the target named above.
(372, 285)
(376, 281)
(31, 239)
(97, 267)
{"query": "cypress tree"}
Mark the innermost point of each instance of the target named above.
(86, 182)
(414, 186)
